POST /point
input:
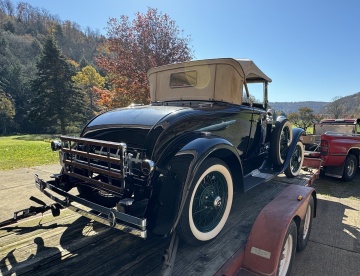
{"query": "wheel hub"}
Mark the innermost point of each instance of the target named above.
(217, 202)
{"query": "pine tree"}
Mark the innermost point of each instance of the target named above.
(7, 110)
(56, 99)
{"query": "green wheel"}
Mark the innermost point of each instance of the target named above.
(209, 202)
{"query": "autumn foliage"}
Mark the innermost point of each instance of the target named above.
(105, 97)
(132, 48)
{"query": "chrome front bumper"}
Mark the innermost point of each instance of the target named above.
(108, 216)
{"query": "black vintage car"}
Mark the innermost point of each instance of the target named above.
(174, 164)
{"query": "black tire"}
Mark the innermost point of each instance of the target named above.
(281, 138)
(322, 171)
(350, 168)
(306, 225)
(208, 205)
(97, 196)
(288, 250)
(296, 161)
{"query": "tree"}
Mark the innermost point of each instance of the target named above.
(86, 79)
(303, 119)
(336, 109)
(132, 48)
(105, 98)
(56, 98)
(7, 110)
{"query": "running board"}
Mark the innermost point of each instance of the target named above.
(256, 177)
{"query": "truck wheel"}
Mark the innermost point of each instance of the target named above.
(281, 137)
(350, 168)
(296, 161)
(287, 254)
(208, 204)
(304, 234)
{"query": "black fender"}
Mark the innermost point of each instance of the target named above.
(173, 181)
(280, 118)
(296, 133)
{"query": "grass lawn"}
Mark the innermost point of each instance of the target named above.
(26, 151)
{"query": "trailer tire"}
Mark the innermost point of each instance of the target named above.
(305, 230)
(210, 196)
(281, 138)
(296, 161)
(287, 254)
(350, 168)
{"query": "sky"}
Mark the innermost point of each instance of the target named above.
(309, 48)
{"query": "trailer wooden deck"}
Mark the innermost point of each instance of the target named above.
(72, 245)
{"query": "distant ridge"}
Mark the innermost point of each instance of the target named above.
(289, 107)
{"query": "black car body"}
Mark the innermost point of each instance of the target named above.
(174, 164)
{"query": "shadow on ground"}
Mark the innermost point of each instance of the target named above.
(335, 187)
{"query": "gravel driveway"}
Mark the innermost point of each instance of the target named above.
(333, 249)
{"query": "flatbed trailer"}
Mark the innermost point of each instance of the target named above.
(73, 245)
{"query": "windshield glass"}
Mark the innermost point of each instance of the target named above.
(322, 128)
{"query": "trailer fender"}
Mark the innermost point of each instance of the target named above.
(264, 245)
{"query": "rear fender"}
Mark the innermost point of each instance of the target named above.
(174, 180)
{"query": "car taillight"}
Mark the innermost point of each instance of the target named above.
(324, 147)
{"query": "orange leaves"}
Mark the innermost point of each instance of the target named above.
(105, 97)
(132, 48)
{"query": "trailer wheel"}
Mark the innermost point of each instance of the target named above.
(287, 254)
(304, 234)
(281, 138)
(209, 202)
(296, 161)
(350, 168)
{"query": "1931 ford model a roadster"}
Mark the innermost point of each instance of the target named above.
(174, 164)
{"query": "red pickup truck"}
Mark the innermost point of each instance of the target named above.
(337, 143)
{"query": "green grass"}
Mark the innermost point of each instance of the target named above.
(26, 151)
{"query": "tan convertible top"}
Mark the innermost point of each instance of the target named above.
(212, 79)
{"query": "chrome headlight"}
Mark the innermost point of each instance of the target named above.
(55, 145)
(147, 166)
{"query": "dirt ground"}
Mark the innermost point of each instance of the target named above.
(334, 246)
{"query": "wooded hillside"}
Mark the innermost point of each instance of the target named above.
(289, 107)
(339, 107)
(105, 72)
(23, 32)
(54, 77)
